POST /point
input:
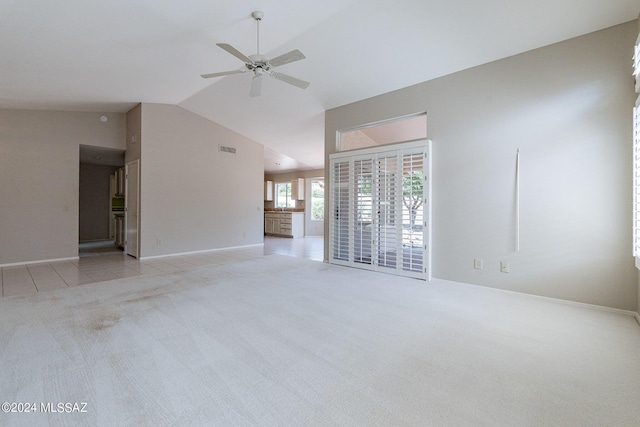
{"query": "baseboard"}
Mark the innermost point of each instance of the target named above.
(583, 304)
(592, 306)
(42, 261)
(561, 301)
(198, 252)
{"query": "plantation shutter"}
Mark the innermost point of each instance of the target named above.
(363, 212)
(380, 205)
(413, 199)
(387, 232)
(340, 204)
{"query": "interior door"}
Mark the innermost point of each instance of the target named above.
(132, 208)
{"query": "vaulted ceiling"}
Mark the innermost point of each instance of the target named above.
(106, 56)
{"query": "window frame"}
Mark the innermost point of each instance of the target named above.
(324, 199)
(289, 201)
(636, 182)
(635, 245)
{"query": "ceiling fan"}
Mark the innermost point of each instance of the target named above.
(260, 65)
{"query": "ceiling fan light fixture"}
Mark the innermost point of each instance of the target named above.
(261, 65)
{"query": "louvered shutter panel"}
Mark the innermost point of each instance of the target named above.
(363, 212)
(388, 234)
(413, 199)
(340, 203)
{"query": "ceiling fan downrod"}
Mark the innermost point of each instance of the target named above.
(257, 15)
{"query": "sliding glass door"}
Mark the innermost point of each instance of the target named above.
(380, 205)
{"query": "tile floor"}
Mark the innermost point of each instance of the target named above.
(98, 263)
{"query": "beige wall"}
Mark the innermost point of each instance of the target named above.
(39, 171)
(568, 108)
(134, 133)
(194, 197)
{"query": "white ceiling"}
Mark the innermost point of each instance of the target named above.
(106, 56)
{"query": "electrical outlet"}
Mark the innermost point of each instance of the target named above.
(477, 263)
(504, 267)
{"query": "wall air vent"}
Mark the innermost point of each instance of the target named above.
(231, 150)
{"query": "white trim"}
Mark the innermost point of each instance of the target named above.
(635, 179)
(199, 252)
(384, 122)
(581, 304)
(420, 143)
(517, 200)
(127, 200)
(560, 300)
(42, 261)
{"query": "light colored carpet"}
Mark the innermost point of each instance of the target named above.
(280, 341)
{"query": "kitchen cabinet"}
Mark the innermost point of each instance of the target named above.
(284, 224)
(268, 191)
(297, 189)
(271, 225)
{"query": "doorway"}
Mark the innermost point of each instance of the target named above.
(96, 200)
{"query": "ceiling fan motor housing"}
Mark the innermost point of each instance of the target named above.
(259, 64)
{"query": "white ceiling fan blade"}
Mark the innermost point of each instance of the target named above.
(235, 52)
(291, 80)
(294, 55)
(256, 86)
(224, 73)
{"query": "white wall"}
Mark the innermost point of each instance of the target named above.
(39, 172)
(568, 108)
(194, 197)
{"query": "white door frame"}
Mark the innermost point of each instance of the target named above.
(132, 208)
